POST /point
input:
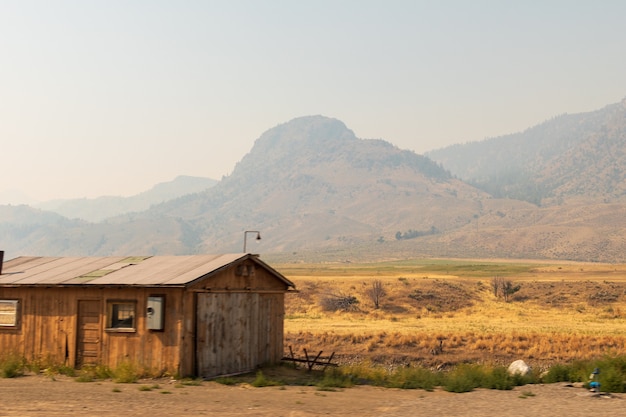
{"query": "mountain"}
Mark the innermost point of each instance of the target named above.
(571, 157)
(316, 192)
(98, 209)
(311, 183)
(25, 230)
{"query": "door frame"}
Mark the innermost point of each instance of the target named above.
(80, 332)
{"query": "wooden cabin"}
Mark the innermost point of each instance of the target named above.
(201, 315)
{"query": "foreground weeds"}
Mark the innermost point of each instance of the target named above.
(458, 379)
(612, 373)
(461, 378)
(12, 366)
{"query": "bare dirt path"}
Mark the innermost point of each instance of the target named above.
(41, 396)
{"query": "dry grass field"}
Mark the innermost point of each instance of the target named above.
(438, 313)
(433, 313)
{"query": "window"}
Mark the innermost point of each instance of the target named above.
(121, 315)
(8, 313)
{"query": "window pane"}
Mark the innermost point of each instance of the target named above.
(123, 316)
(8, 312)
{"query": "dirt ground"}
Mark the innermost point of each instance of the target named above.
(42, 396)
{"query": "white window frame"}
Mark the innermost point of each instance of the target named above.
(9, 308)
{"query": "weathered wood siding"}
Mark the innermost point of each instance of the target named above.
(226, 322)
(239, 320)
(246, 276)
(49, 327)
(237, 332)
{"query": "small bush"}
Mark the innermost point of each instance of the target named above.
(364, 374)
(500, 379)
(54, 369)
(612, 373)
(126, 373)
(464, 378)
(413, 378)
(335, 378)
(12, 366)
(558, 373)
(90, 373)
(611, 380)
(339, 303)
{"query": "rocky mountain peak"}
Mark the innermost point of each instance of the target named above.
(310, 131)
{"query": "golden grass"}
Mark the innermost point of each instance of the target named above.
(563, 311)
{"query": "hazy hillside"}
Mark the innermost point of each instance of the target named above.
(28, 231)
(97, 209)
(569, 157)
(311, 183)
(316, 192)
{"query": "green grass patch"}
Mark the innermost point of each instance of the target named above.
(262, 381)
(335, 378)
(413, 378)
(227, 380)
(126, 373)
(191, 382)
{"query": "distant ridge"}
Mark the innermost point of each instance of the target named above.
(568, 157)
(98, 209)
(316, 192)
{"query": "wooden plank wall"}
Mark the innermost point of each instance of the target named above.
(48, 327)
(238, 331)
(240, 323)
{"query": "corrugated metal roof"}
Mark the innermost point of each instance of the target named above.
(112, 270)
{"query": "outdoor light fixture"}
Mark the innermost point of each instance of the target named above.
(245, 237)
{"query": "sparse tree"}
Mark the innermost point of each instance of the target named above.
(496, 284)
(503, 288)
(508, 289)
(376, 292)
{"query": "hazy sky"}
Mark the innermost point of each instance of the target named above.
(111, 97)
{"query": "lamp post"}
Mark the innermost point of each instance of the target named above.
(245, 237)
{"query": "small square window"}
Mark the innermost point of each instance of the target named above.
(121, 315)
(8, 313)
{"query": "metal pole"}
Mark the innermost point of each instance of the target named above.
(245, 237)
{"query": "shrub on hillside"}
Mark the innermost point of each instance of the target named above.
(339, 303)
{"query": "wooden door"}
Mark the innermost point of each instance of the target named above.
(88, 335)
(227, 333)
